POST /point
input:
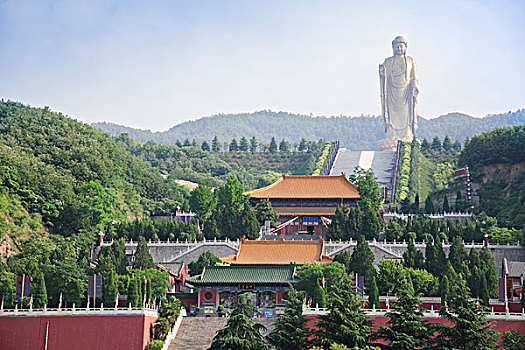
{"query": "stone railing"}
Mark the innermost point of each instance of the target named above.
(74, 311)
(507, 316)
(180, 243)
(328, 242)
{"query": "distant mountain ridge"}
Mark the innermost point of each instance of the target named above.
(356, 133)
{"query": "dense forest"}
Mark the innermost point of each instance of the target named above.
(356, 133)
(67, 177)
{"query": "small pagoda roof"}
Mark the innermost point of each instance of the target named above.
(278, 252)
(300, 186)
(241, 274)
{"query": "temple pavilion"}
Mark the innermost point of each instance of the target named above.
(305, 204)
(264, 268)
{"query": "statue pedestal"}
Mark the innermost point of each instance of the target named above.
(387, 145)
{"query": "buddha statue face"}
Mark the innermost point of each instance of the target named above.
(399, 48)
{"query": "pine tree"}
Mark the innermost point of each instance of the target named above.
(253, 145)
(345, 322)
(447, 143)
(273, 146)
(436, 144)
(290, 332)
(215, 144)
(412, 257)
(39, 292)
(457, 146)
(205, 147)
(284, 146)
(425, 145)
(471, 329)
(233, 146)
(406, 330)
(240, 332)
(302, 145)
(243, 144)
(143, 259)
(186, 143)
(373, 295)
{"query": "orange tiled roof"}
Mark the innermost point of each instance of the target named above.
(299, 186)
(278, 253)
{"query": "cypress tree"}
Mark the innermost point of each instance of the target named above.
(446, 207)
(430, 257)
(362, 260)
(290, 332)
(373, 295)
(406, 330)
(109, 289)
(240, 332)
(319, 296)
(39, 292)
(444, 289)
(490, 271)
(429, 206)
(457, 254)
(345, 323)
(133, 292)
(410, 254)
(143, 259)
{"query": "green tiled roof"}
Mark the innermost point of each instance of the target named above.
(245, 274)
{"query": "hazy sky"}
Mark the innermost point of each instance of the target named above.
(153, 64)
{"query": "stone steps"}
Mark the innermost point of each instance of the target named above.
(196, 333)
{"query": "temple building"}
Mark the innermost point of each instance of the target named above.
(264, 268)
(305, 204)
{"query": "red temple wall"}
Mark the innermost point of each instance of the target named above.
(499, 325)
(76, 332)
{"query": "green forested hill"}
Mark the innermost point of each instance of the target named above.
(357, 133)
(252, 169)
(72, 176)
(497, 162)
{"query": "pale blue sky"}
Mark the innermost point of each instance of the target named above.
(153, 64)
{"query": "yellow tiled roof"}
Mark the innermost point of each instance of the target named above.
(299, 186)
(278, 253)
